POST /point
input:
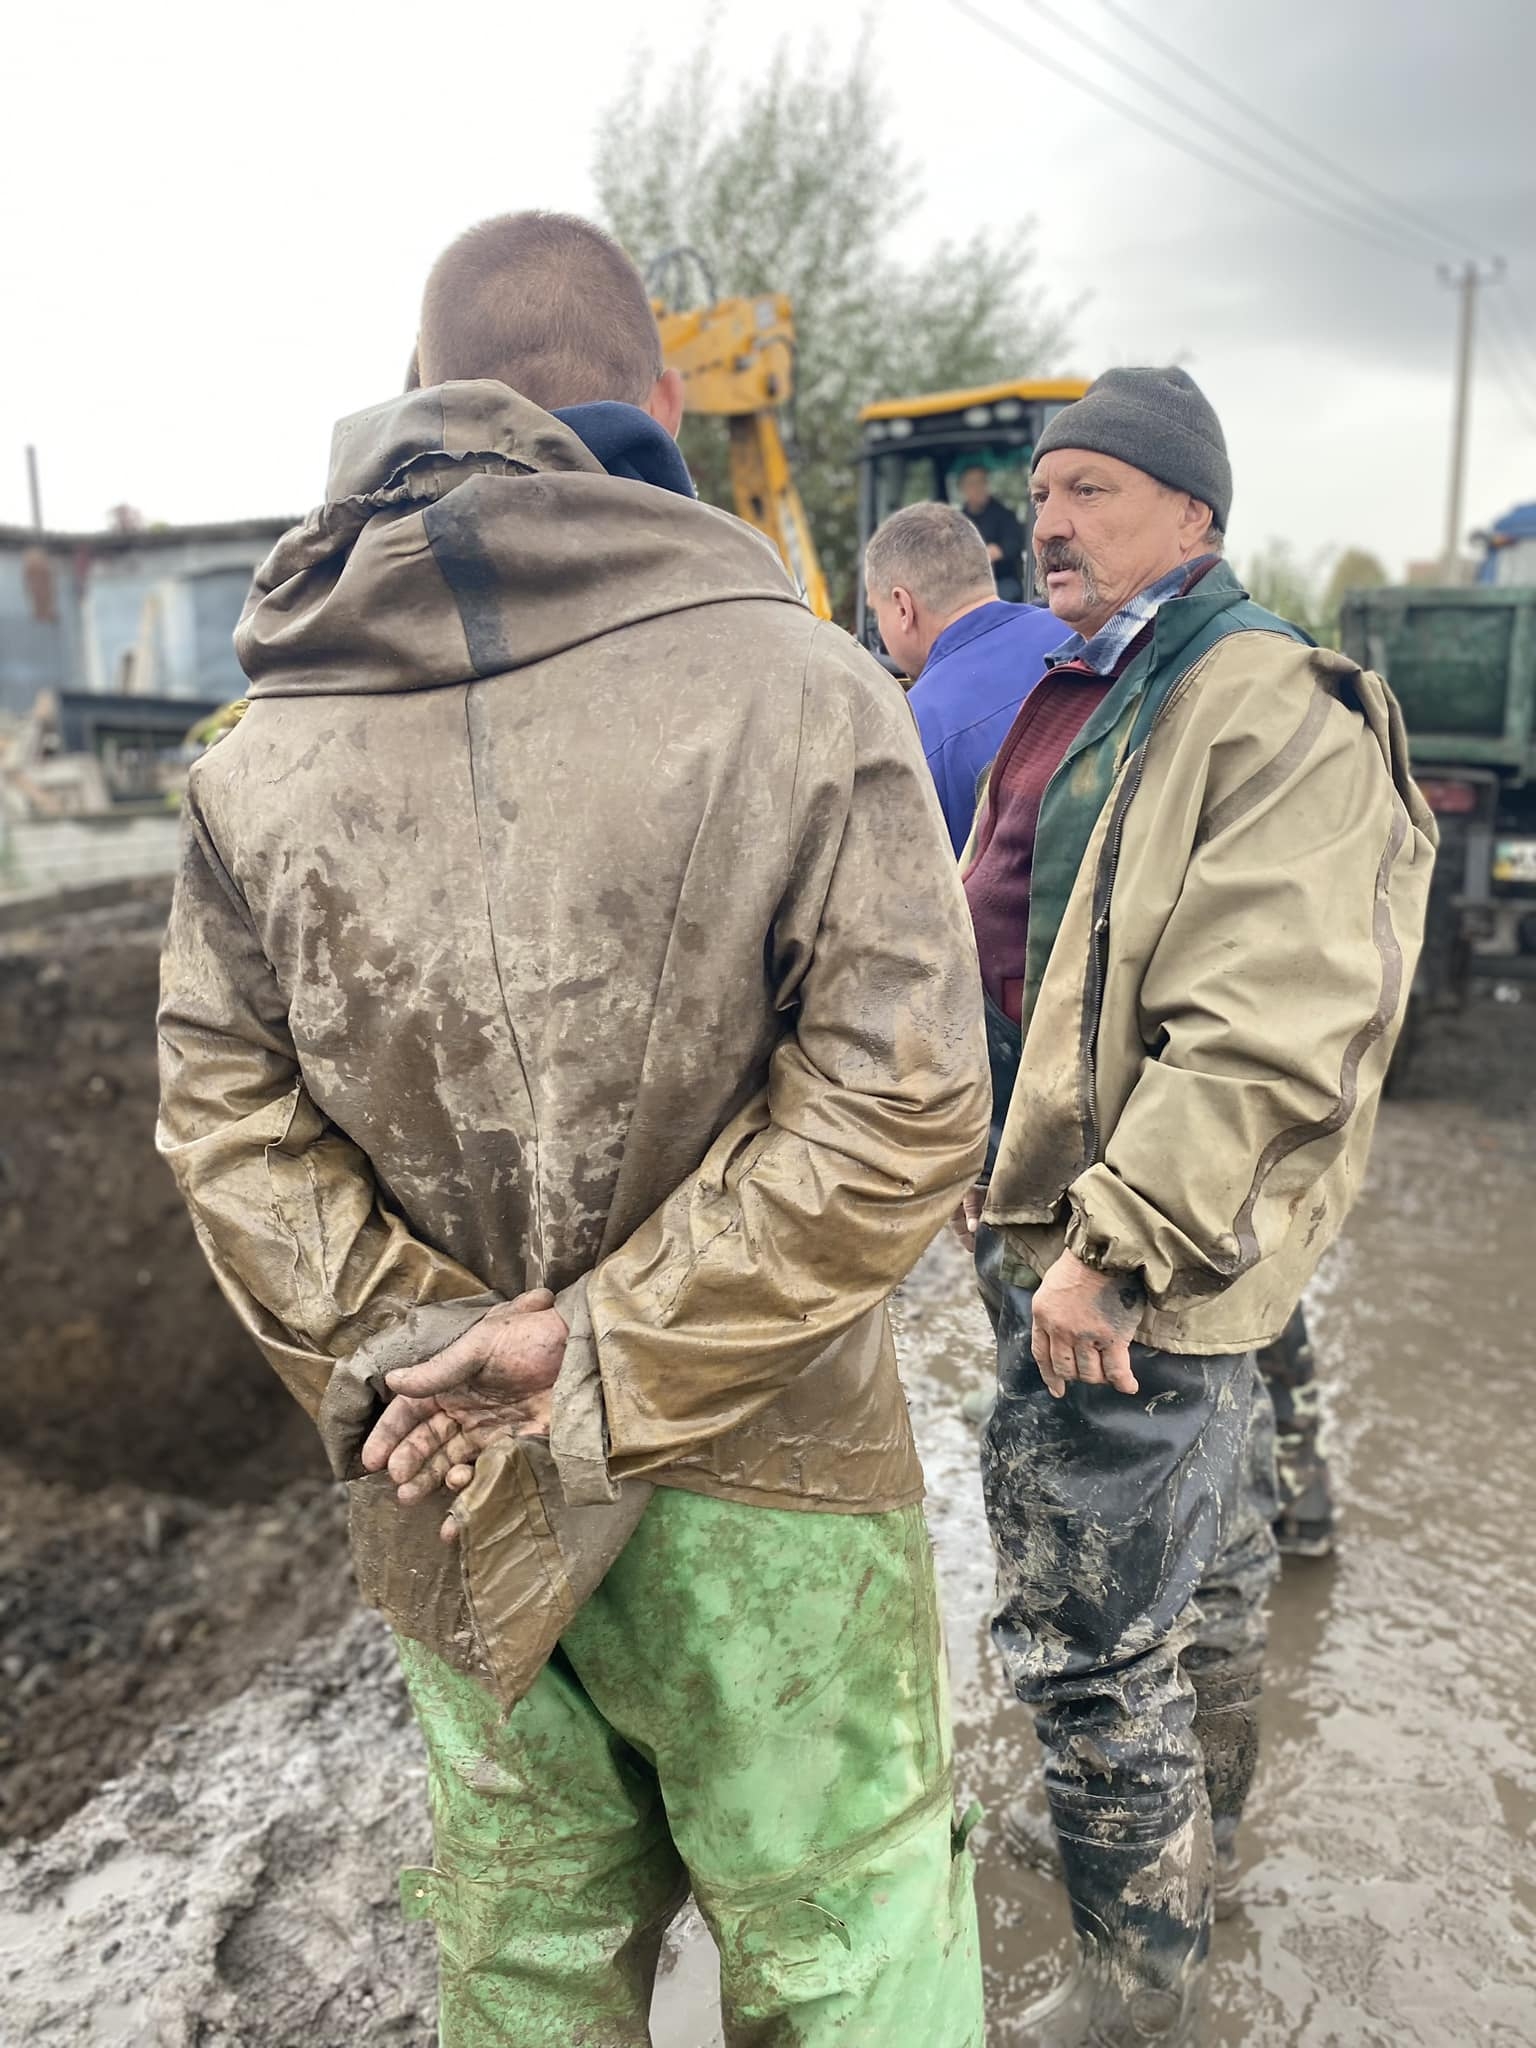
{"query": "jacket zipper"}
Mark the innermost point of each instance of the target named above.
(1098, 958)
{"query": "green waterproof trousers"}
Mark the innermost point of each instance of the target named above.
(751, 1706)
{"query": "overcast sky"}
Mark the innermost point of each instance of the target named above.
(217, 221)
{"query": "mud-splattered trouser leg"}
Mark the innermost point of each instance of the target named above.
(1304, 1512)
(1225, 1654)
(751, 1705)
(1118, 1521)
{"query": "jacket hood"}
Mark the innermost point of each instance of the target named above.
(466, 532)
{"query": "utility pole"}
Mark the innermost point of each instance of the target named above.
(1465, 278)
(34, 489)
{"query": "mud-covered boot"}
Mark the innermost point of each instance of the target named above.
(1226, 1726)
(1095, 2008)
(1142, 1914)
(1304, 1526)
(1030, 1833)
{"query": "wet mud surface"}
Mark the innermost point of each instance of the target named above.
(175, 1605)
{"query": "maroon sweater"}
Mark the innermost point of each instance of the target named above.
(997, 881)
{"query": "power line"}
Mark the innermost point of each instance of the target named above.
(1509, 368)
(1186, 64)
(1320, 191)
(1524, 410)
(1341, 223)
(1524, 332)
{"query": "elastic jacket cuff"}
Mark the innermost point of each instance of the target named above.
(356, 1390)
(578, 1430)
(1115, 1230)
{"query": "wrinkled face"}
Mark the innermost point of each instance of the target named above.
(1103, 531)
(974, 489)
(897, 617)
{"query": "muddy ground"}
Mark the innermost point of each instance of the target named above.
(176, 1615)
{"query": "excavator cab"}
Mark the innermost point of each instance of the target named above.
(736, 358)
(917, 449)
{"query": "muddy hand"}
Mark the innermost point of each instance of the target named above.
(1083, 1325)
(493, 1382)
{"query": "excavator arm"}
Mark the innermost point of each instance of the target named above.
(736, 360)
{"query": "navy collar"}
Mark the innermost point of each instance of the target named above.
(629, 443)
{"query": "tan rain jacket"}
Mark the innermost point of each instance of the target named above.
(1204, 1060)
(570, 907)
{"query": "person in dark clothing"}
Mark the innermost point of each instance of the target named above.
(999, 528)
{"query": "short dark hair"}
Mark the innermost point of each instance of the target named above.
(543, 302)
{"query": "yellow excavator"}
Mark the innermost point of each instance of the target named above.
(737, 361)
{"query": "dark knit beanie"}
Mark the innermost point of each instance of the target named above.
(1159, 421)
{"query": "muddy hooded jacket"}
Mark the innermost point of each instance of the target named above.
(569, 908)
(1231, 871)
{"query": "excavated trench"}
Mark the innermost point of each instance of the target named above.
(166, 1526)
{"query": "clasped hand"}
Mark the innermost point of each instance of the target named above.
(492, 1383)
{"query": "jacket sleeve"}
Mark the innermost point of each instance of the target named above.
(1268, 1004)
(307, 1252)
(817, 1199)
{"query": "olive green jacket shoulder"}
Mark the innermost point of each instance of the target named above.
(1212, 1023)
(569, 908)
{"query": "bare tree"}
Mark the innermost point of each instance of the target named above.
(795, 182)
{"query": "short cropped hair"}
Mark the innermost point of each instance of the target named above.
(934, 551)
(543, 302)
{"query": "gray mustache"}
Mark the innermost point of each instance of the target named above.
(1057, 555)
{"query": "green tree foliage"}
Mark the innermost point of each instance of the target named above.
(794, 182)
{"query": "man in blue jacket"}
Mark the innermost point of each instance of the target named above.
(976, 659)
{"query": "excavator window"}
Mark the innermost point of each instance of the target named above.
(902, 480)
(917, 451)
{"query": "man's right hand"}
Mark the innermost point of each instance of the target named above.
(494, 1382)
(967, 1218)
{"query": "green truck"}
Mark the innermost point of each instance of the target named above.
(1462, 663)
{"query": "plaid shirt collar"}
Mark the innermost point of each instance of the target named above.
(1105, 651)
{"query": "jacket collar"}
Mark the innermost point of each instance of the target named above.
(629, 443)
(1176, 624)
(1179, 619)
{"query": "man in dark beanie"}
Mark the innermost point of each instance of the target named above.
(1198, 879)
